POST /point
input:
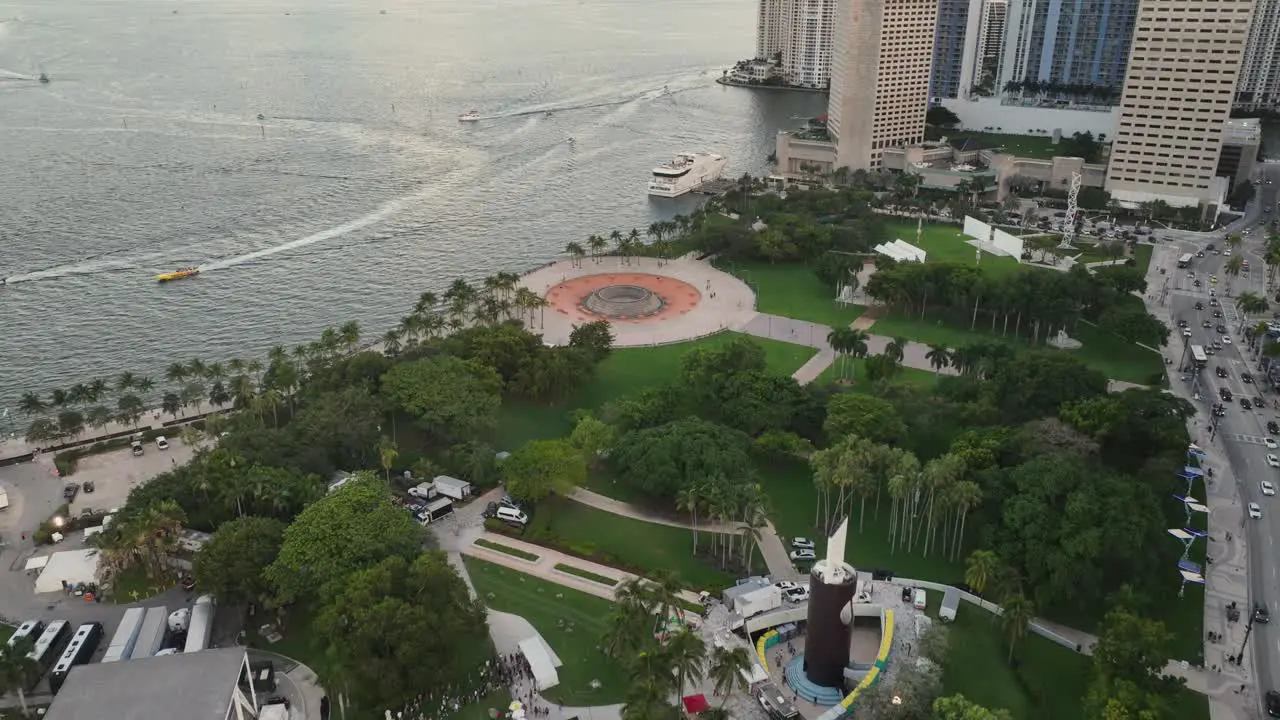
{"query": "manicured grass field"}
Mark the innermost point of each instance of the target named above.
(1113, 356)
(946, 243)
(793, 290)
(625, 371)
(648, 548)
(571, 622)
(794, 501)
(1029, 146)
(1049, 682)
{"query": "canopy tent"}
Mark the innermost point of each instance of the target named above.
(694, 704)
(541, 662)
(1181, 534)
(901, 251)
(1196, 450)
(755, 675)
(37, 562)
(71, 567)
(1191, 577)
(1189, 471)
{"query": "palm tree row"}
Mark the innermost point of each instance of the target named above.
(662, 662)
(662, 233)
(983, 570)
(719, 500)
(1102, 93)
(928, 504)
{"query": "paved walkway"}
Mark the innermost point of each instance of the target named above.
(17, 445)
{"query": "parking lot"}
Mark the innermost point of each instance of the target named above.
(117, 472)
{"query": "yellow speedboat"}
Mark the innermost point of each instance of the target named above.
(178, 274)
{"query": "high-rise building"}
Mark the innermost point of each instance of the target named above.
(880, 70)
(798, 35)
(967, 47)
(1079, 43)
(1259, 87)
(1183, 69)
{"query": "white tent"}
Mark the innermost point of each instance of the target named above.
(901, 251)
(37, 562)
(541, 661)
(72, 566)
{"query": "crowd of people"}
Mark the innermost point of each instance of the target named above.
(509, 671)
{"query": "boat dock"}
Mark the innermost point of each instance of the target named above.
(715, 187)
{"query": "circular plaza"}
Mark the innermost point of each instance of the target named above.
(645, 301)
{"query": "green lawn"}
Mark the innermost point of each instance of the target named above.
(6, 631)
(793, 290)
(626, 371)
(642, 547)
(1029, 146)
(571, 622)
(946, 243)
(133, 585)
(1115, 357)
(794, 501)
(855, 371)
(1048, 684)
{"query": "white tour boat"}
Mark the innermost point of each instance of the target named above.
(686, 172)
(470, 116)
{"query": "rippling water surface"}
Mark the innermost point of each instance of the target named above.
(358, 189)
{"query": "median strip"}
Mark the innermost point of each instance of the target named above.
(506, 550)
(586, 574)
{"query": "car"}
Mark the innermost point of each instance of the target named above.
(1206, 324)
(1213, 279)
(1196, 283)
(1226, 340)
(1246, 403)
(1211, 350)
(1246, 378)
(508, 501)
(1271, 444)
(1220, 372)
(1261, 614)
(801, 543)
(1255, 511)
(1213, 302)
(1183, 324)
(1199, 305)
(1186, 333)
(1225, 394)
(1200, 253)
(1226, 253)
(1273, 461)
(135, 445)
(1217, 313)
(797, 594)
(162, 443)
(785, 585)
(87, 486)
(1273, 427)
(803, 555)
(70, 491)
(1212, 293)
(87, 512)
(1268, 488)
(1272, 698)
(1220, 328)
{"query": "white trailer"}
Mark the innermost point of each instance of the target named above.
(151, 636)
(121, 647)
(201, 628)
(758, 601)
(950, 603)
(452, 487)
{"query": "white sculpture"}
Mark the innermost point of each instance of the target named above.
(1062, 342)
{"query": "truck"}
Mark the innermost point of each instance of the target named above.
(151, 635)
(4, 499)
(758, 601)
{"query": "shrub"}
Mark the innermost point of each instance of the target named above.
(507, 550)
(586, 574)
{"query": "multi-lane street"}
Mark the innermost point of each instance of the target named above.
(1239, 445)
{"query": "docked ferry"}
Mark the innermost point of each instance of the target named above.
(686, 172)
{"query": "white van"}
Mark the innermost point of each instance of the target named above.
(918, 599)
(512, 515)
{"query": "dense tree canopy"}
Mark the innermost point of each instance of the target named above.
(543, 467)
(354, 527)
(388, 622)
(230, 565)
(661, 461)
(450, 397)
(864, 416)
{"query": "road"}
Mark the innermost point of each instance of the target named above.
(1238, 447)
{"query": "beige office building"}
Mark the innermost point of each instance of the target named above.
(881, 61)
(1183, 68)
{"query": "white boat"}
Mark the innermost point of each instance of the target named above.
(470, 116)
(686, 172)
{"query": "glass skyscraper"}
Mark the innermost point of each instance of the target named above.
(1069, 42)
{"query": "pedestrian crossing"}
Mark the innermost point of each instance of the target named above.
(1246, 439)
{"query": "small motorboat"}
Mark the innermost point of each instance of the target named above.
(44, 79)
(470, 116)
(178, 274)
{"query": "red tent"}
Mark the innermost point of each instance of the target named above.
(694, 704)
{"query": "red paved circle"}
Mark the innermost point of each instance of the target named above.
(678, 297)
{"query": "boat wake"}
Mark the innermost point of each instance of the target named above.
(81, 268)
(382, 213)
(647, 95)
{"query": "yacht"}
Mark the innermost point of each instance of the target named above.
(686, 172)
(470, 116)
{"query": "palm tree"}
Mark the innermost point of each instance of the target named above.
(726, 670)
(687, 655)
(171, 404)
(979, 568)
(42, 430)
(391, 341)
(197, 369)
(98, 389)
(426, 303)
(577, 252)
(1018, 611)
(939, 357)
(78, 394)
(349, 335)
(896, 349)
(144, 384)
(387, 454)
(125, 380)
(598, 244)
(176, 373)
(1251, 303)
(688, 499)
(31, 404)
(59, 397)
(17, 669)
(98, 416)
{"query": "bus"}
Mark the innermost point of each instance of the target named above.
(1185, 260)
(201, 627)
(1198, 357)
(29, 630)
(78, 652)
(48, 647)
(126, 636)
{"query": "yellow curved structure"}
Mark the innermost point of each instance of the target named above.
(762, 645)
(178, 274)
(882, 657)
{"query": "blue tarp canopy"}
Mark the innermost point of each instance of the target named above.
(1192, 472)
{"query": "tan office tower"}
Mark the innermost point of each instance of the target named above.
(881, 60)
(1183, 67)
